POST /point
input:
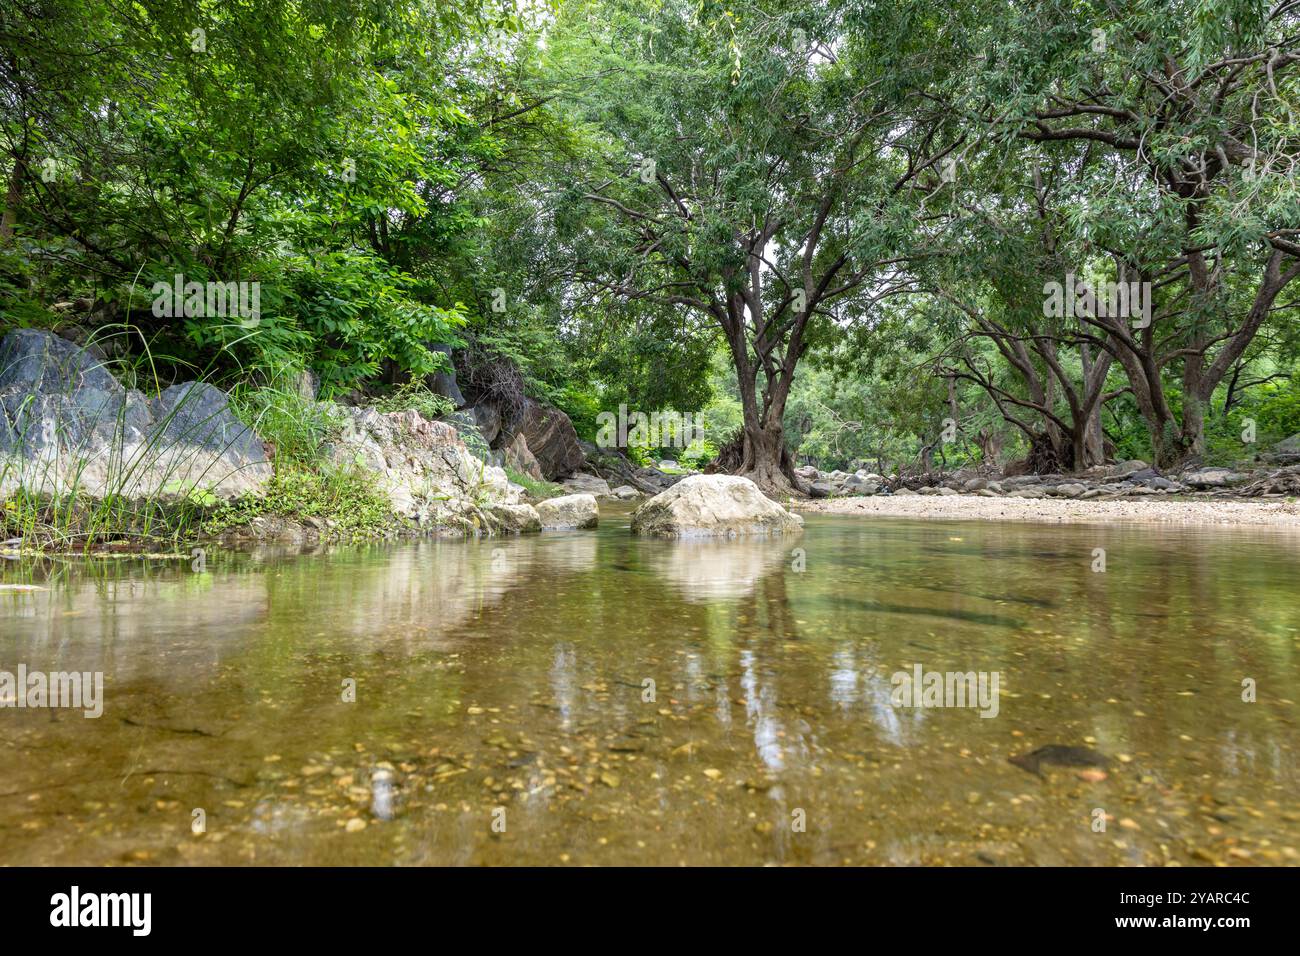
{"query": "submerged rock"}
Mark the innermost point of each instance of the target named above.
(1061, 755)
(713, 506)
(570, 511)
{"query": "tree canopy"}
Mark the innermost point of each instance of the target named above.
(833, 226)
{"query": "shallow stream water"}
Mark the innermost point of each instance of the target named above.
(593, 698)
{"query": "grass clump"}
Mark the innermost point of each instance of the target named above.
(76, 522)
(537, 490)
(342, 499)
(295, 426)
(416, 395)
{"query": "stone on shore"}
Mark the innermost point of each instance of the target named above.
(66, 424)
(584, 484)
(713, 506)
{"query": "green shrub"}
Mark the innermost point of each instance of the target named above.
(415, 394)
(536, 490)
(346, 498)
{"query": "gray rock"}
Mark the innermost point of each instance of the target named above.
(1287, 446)
(1027, 493)
(1212, 478)
(857, 485)
(1071, 489)
(713, 506)
(626, 493)
(444, 383)
(1127, 468)
(42, 363)
(822, 489)
(488, 419)
(583, 484)
(66, 424)
(568, 512)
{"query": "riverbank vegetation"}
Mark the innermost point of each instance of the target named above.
(848, 232)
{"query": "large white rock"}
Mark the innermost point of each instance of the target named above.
(430, 475)
(713, 506)
(570, 511)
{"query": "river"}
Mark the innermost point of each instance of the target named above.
(593, 698)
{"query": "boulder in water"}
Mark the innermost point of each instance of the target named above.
(713, 506)
(570, 511)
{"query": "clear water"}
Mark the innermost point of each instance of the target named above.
(502, 711)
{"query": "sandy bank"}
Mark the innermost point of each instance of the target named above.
(1278, 513)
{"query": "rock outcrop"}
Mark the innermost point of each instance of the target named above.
(429, 474)
(521, 459)
(570, 511)
(713, 506)
(66, 424)
(550, 437)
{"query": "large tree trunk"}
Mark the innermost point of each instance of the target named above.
(767, 463)
(13, 197)
(764, 458)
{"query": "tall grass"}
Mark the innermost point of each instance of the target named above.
(144, 490)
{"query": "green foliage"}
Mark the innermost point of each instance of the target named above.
(415, 395)
(344, 500)
(316, 149)
(295, 426)
(535, 489)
